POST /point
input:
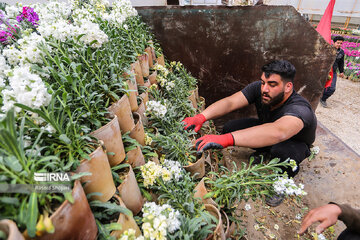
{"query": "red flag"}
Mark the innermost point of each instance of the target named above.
(324, 27)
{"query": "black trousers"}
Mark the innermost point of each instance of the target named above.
(348, 235)
(295, 150)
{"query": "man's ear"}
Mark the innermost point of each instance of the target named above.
(288, 87)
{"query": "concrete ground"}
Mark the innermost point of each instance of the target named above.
(333, 175)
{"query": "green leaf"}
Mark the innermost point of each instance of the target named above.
(10, 200)
(79, 175)
(65, 139)
(68, 196)
(13, 163)
(32, 214)
(113, 226)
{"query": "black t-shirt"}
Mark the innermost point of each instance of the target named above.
(295, 105)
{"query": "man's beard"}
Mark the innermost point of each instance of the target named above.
(275, 100)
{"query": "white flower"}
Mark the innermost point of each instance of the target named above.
(26, 88)
(170, 86)
(321, 237)
(156, 108)
(287, 186)
(276, 227)
(151, 171)
(293, 165)
(174, 168)
(315, 150)
(247, 207)
(256, 227)
(298, 216)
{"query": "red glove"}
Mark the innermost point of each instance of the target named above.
(194, 122)
(214, 142)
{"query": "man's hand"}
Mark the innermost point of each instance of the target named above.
(194, 122)
(341, 75)
(327, 215)
(214, 142)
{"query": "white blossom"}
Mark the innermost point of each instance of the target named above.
(287, 186)
(247, 207)
(174, 168)
(156, 108)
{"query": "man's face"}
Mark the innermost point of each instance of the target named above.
(338, 44)
(272, 90)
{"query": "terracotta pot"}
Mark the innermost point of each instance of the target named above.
(149, 53)
(144, 63)
(197, 93)
(111, 136)
(224, 218)
(138, 132)
(126, 222)
(11, 230)
(160, 60)
(101, 180)
(132, 95)
(202, 103)
(192, 98)
(152, 77)
(145, 97)
(135, 157)
(218, 233)
(130, 192)
(200, 191)
(142, 112)
(73, 220)
(197, 168)
(123, 112)
(136, 70)
(153, 54)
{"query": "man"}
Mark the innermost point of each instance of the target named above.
(328, 215)
(286, 124)
(338, 64)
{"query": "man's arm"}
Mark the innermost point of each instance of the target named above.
(255, 137)
(269, 133)
(350, 216)
(225, 105)
(341, 66)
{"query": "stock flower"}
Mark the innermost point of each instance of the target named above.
(28, 14)
(148, 139)
(287, 186)
(315, 150)
(175, 169)
(26, 88)
(152, 171)
(158, 220)
(156, 108)
(247, 207)
(293, 165)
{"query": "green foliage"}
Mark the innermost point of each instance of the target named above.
(252, 181)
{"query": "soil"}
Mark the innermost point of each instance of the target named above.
(326, 177)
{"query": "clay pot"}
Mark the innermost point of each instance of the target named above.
(126, 222)
(73, 220)
(130, 192)
(135, 157)
(196, 93)
(111, 136)
(200, 191)
(132, 95)
(11, 230)
(160, 60)
(123, 112)
(145, 97)
(142, 112)
(138, 132)
(101, 180)
(149, 53)
(152, 77)
(202, 104)
(136, 70)
(227, 231)
(144, 63)
(218, 233)
(197, 168)
(192, 98)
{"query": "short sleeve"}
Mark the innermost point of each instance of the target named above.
(252, 91)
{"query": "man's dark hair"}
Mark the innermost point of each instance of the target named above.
(282, 67)
(338, 38)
